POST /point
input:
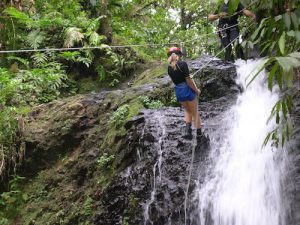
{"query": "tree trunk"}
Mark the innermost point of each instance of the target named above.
(183, 15)
(105, 27)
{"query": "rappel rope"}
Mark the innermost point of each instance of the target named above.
(206, 64)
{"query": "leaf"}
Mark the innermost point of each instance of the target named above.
(273, 111)
(288, 63)
(295, 20)
(279, 80)
(284, 109)
(233, 5)
(35, 38)
(260, 68)
(297, 34)
(20, 16)
(287, 20)
(289, 103)
(25, 62)
(288, 78)
(72, 35)
(255, 34)
(271, 76)
(277, 18)
(281, 43)
(267, 138)
(291, 33)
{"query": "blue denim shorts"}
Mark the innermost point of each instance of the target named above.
(184, 92)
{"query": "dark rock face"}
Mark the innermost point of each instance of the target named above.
(151, 189)
(216, 78)
(153, 184)
(148, 182)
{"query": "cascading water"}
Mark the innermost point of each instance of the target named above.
(156, 168)
(243, 187)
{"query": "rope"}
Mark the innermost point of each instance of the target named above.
(214, 32)
(220, 30)
(81, 48)
(117, 46)
(108, 46)
(206, 64)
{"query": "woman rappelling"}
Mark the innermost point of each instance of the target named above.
(186, 91)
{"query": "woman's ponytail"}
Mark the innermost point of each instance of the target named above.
(172, 60)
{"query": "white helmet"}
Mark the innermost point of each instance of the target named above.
(226, 1)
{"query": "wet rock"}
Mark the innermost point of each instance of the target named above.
(216, 79)
(147, 178)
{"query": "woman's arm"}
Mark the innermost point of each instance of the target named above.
(192, 85)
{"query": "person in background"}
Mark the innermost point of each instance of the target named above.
(186, 91)
(228, 29)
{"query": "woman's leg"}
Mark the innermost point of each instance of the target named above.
(187, 112)
(193, 106)
(188, 120)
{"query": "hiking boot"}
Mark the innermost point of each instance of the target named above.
(199, 134)
(188, 132)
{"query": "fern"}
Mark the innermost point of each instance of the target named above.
(20, 16)
(72, 35)
(70, 56)
(23, 61)
(95, 39)
(35, 38)
(86, 61)
(39, 59)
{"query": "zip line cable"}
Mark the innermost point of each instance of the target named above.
(118, 46)
(107, 46)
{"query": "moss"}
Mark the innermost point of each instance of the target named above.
(135, 107)
(55, 197)
(157, 70)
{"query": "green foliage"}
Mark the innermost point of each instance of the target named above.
(19, 90)
(106, 161)
(76, 57)
(279, 39)
(119, 116)
(35, 39)
(150, 103)
(11, 200)
(73, 35)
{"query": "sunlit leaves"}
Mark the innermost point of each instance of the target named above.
(281, 43)
(73, 35)
(20, 16)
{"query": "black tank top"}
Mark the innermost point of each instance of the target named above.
(182, 71)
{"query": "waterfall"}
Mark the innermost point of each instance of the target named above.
(244, 184)
(156, 167)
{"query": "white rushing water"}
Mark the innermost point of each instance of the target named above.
(244, 186)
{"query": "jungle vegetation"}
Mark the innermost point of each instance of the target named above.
(31, 78)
